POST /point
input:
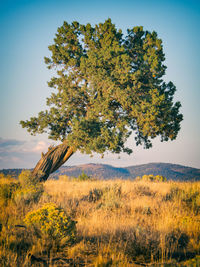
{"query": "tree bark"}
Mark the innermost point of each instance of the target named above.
(51, 161)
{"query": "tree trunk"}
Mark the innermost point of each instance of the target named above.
(51, 161)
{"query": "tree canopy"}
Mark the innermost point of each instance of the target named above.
(107, 85)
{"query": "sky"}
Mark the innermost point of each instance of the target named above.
(28, 28)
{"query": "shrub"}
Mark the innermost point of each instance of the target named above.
(7, 190)
(26, 179)
(189, 196)
(111, 197)
(7, 177)
(143, 190)
(52, 222)
(176, 240)
(192, 262)
(28, 195)
(83, 177)
(152, 178)
(30, 190)
(93, 196)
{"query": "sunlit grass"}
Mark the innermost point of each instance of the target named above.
(145, 213)
(118, 223)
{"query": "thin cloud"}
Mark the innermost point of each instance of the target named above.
(21, 154)
(7, 143)
(40, 146)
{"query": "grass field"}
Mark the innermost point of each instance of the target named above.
(118, 223)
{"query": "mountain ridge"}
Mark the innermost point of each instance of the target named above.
(106, 171)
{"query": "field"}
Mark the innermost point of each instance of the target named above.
(118, 223)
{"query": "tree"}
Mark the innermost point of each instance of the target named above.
(107, 86)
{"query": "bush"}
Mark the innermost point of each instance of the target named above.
(189, 196)
(28, 195)
(7, 190)
(94, 195)
(52, 222)
(111, 197)
(26, 179)
(83, 177)
(152, 178)
(5, 177)
(30, 189)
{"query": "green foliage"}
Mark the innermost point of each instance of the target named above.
(53, 222)
(94, 195)
(30, 190)
(8, 186)
(25, 178)
(28, 195)
(152, 178)
(107, 86)
(83, 177)
(111, 197)
(108, 198)
(3, 177)
(6, 190)
(192, 262)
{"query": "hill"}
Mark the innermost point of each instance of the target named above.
(12, 172)
(103, 171)
(170, 171)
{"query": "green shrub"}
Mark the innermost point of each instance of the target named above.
(3, 176)
(28, 195)
(152, 178)
(107, 198)
(111, 197)
(30, 189)
(52, 222)
(94, 195)
(192, 262)
(7, 191)
(26, 178)
(83, 177)
(143, 190)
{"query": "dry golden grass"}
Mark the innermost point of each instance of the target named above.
(144, 220)
(119, 223)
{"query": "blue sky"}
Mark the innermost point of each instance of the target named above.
(29, 26)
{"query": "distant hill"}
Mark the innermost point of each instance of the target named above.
(103, 171)
(170, 171)
(12, 172)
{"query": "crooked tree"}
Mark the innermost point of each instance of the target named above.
(107, 86)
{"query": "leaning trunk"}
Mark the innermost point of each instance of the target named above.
(51, 161)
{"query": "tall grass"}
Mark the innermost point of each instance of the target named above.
(148, 222)
(118, 223)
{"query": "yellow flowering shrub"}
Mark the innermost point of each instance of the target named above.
(152, 178)
(52, 221)
(25, 178)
